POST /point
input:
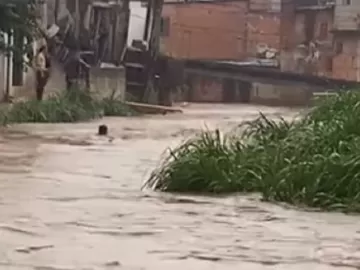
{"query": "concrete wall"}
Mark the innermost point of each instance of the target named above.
(55, 84)
(346, 62)
(311, 52)
(347, 15)
(108, 80)
(3, 71)
(207, 88)
(278, 95)
(265, 5)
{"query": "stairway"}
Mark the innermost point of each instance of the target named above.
(136, 62)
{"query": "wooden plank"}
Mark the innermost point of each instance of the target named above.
(152, 109)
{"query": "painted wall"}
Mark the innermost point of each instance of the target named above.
(137, 21)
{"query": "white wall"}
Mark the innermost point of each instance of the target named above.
(137, 21)
(4, 72)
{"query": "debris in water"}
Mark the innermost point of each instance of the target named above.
(33, 248)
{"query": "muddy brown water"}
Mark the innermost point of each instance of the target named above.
(72, 201)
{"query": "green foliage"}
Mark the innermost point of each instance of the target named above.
(70, 106)
(18, 18)
(313, 162)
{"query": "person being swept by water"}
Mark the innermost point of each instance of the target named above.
(42, 66)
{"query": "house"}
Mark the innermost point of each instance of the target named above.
(325, 40)
(104, 28)
(221, 30)
(243, 31)
(309, 37)
(310, 49)
(346, 61)
(204, 29)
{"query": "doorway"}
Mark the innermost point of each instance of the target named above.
(229, 90)
(244, 90)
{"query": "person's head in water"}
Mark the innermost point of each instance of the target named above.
(103, 130)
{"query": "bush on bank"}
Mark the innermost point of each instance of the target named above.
(68, 106)
(312, 162)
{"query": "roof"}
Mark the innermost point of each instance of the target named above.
(198, 1)
(314, 4)
(108, 4)
(253, 63)
(251, 72)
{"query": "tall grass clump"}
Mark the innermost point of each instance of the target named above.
(68, 106)
(312, 162)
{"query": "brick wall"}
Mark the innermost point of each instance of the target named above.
(206, 30)
(346, 62)
(263, 28)
(218, 30)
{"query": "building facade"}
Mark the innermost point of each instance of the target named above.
(204, 30)
(221, 30)
(316, 37)
(346, 61)
(310, 50)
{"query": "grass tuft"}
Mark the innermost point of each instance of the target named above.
(68, 106)
(313, 162)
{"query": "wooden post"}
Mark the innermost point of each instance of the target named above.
(147, 20)
(77, 20)
(56, 11)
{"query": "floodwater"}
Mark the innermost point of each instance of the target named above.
(72, 201)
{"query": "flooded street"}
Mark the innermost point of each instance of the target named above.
(72, 201)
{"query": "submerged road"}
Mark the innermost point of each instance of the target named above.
(72, 201)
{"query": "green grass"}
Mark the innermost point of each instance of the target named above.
(313, 162)
(73, 106)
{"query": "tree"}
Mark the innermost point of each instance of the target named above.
(17, 19)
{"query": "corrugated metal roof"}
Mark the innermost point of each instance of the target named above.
(253, 62)
(311, 3)
(196, 1)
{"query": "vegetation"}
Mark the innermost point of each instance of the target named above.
(68, 106)
(18, 18)
(312, 162)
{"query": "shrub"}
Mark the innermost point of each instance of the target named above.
(69, 106)
(314, 161)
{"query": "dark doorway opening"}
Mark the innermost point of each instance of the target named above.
(244, 89)
(229, 90)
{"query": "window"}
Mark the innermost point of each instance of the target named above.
(165, 26)
(323, 33)
(339, 47)
(346, 2)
